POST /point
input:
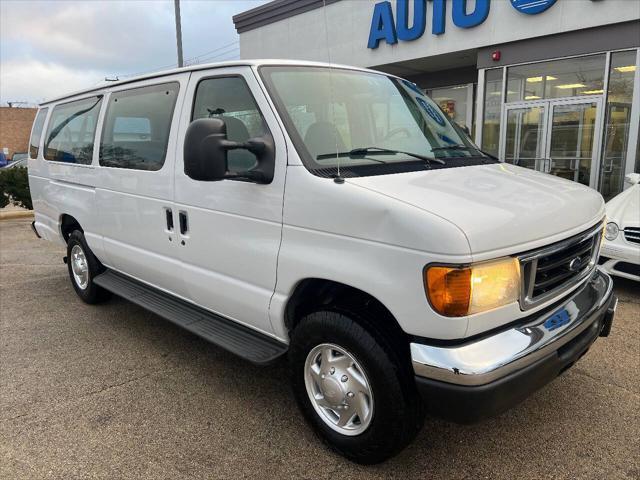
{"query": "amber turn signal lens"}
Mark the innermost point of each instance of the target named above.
(449, 290)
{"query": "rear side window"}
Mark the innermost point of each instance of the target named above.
(136, 127)
(230, 99)
(72, 131)
(36, 133)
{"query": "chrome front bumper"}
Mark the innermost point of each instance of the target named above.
(492, 357)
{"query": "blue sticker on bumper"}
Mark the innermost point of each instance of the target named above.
(557, 320)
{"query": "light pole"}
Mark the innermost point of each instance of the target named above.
(176, 3)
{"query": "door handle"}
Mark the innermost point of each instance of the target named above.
(184, 224)
(608, 167)
(169, 217)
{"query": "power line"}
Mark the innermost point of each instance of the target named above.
(208, 58)
(191, 60)
(232, 57)
(218, 58)
(213, 51)
(164, 67)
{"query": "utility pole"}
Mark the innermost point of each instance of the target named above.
(178, 33)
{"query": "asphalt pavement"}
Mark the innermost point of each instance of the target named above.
(113, 391)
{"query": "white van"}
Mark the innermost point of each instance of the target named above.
(335, 215)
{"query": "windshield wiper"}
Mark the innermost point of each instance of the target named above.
(361, 152)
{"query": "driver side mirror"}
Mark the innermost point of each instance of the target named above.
(205, 153)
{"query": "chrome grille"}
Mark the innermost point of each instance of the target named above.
(549, 271)
(632, 234)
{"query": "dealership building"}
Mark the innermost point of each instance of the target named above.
(552, 85)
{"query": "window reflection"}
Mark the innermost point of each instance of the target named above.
(557, 79)
(38, 125)
(617, 122)
(492, 108)
(71, 131)
(454, 102)
(136, 127)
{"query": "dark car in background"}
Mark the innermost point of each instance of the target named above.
(19, 159)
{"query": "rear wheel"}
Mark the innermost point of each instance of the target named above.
(352, 388)
(83, 266)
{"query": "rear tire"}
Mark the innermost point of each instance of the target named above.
(83, 266)
(392, 412)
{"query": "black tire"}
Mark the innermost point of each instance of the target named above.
(92, 293)
(397, 413)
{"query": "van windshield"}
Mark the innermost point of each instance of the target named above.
(366, 123)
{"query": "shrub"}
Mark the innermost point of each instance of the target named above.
(14, 187)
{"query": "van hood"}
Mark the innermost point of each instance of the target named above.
(497, 206)
(624, 209)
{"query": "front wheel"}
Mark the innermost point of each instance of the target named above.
(352, 387)
(83, 266)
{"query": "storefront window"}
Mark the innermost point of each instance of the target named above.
(571, 77)
(617, 122)
(492, 108)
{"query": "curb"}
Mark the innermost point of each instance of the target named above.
(16, 214)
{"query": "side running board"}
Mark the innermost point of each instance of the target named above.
(243, 341)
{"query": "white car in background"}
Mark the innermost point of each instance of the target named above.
(620, 254)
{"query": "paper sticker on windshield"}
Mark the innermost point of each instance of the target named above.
(412, 86)
(446, 139)
(431, 111)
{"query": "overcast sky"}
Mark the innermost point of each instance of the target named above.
(49, 48)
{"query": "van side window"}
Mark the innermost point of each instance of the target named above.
(36, 133)
(230, 99)
(71, 131)
(136, 127)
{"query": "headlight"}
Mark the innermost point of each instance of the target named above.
(459, 291)
(611, 231)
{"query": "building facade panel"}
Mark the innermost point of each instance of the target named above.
(547, 84)
(349, 23)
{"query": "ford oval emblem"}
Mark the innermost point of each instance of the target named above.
(574, 266)
(532, 7)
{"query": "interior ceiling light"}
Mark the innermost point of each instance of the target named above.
(539, 79)
(570, 85)
(629, 68)
(532, 97)
(592, 92)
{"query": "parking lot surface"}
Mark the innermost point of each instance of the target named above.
(113, 391)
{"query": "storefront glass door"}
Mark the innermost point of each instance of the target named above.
(556, 136)
(571, 146)
(525, 134)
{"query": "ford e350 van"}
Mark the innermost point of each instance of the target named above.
(336, 216)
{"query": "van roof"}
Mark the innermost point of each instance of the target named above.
(205, 66)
